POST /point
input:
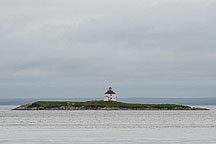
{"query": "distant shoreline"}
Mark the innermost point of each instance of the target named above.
(181, 101)
(100, 105)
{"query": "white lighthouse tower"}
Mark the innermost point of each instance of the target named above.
(110, 95)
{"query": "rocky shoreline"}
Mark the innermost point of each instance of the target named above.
(26, 107)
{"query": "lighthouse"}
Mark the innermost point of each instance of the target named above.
(110, 95)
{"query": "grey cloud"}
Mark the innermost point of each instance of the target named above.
(90, 45)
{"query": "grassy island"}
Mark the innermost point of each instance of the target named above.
(100, 105)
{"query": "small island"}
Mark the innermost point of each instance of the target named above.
(100, 105)
(109, 103)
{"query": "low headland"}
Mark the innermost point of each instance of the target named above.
(100, 105)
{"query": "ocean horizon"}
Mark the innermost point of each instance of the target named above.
(185, 101)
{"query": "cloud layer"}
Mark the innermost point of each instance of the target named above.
(144, 48)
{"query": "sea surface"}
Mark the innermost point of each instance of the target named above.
(101, 127)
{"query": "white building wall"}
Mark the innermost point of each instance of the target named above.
(106, 98)
(110, 97)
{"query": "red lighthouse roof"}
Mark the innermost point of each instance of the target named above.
(110, 91)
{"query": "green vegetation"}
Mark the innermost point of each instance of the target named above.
(56, 104)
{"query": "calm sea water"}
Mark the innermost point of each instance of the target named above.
(148, 127)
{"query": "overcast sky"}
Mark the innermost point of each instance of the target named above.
(78, 48)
